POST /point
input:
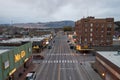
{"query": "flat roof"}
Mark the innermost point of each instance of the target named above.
(3, 50)
(19, 40)
(112, 56)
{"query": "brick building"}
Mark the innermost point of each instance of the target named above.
(94, 32)
(107, 64)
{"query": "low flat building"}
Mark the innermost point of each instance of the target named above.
(15, 60)
(108, 64)
(38, 43)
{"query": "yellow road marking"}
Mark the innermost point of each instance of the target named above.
(58, 71)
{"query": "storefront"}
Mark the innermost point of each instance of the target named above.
(14, 61)
(107, 65)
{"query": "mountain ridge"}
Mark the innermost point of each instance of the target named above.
(54, 24)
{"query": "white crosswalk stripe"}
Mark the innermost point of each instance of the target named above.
(59, 61)
(58, 54)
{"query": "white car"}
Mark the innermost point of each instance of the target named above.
(31, 75)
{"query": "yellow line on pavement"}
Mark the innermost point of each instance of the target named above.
(58, 71)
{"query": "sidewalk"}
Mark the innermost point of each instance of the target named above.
(91, 72)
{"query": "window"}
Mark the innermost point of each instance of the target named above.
(101, 35)
(102, 31)
(97, 25)
(85, 39)
(86, 24)
(102, 41)
(91, 29)
(91, 39)
(109, 29)
(91, 24)
(85, 30)
(91, 34)
(108, 33)
(109, 25)
(102, 25)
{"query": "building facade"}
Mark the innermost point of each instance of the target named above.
(107, 64)
(15, 60)
(94, 32)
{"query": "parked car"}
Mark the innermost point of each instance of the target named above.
(49, 47)
(54, 41)
(38, 57)
(31, 75)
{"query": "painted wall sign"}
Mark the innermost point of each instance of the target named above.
(19, 56)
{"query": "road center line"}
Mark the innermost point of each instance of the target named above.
(58, 71)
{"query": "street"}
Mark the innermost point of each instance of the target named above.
(62, 63)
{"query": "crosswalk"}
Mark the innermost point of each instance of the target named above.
(58, 54)
(59, 61)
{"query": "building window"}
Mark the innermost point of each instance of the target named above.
(109, 25)
(108, 41)
(108, 33)
(96, 29)
(97, 25)
(91, 24)
(91, 39)
(86, 24)
(102, 25)
(101, 35)
(102, 31)
(109, 29)
(85, 39)
(91, 34)
(102, 41)
(91, 29)
(85, 30)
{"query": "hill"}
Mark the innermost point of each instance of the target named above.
(56, 24)
(60, 24)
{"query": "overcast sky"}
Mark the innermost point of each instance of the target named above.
(22, 11)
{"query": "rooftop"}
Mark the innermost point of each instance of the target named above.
(3, 50)
(112, 56)
(19, 40)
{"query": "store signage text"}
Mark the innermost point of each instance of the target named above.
(19, 56)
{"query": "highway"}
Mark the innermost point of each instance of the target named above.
(62, 63)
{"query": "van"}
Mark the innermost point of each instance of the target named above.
(31, 75)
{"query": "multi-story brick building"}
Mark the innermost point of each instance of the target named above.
(94, 32)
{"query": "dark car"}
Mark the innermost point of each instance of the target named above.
(71, 47)
(49, 47)
(68, 41)
(54, 41)
(38, 57)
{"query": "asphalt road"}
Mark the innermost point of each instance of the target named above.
(61, 63)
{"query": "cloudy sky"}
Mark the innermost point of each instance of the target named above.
(23, 11)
